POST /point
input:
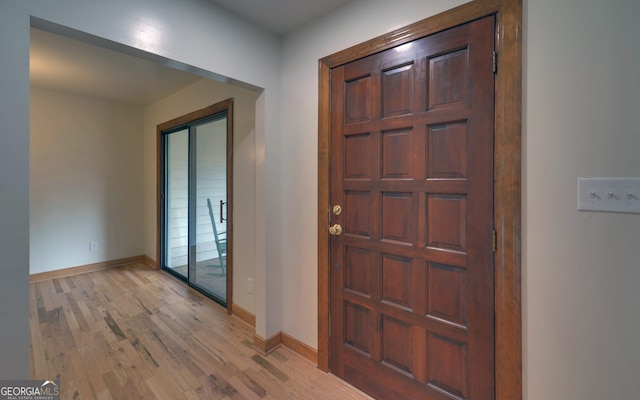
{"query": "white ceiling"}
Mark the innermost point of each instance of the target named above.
(281, 16)
(71, 66)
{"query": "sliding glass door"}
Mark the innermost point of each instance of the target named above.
(196, 187)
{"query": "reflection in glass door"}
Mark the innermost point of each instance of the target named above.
(196, 186)
(176, 245)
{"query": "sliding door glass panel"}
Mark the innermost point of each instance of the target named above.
(177, 202)
(196, 202)
(210, 183)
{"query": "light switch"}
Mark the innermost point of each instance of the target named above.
(609, 194)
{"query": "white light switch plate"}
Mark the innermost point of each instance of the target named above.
(609, 194)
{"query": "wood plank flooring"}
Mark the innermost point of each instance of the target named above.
(137, 333)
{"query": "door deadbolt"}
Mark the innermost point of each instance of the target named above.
(337, 210)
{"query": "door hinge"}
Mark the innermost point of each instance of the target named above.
(495, 62)
(494, 240)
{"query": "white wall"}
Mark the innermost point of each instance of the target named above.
(199, 95)
(14, 193)
(86, 180)
(581, 269)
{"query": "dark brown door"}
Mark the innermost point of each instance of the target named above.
(412, 312)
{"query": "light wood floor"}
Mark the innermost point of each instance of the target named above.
(207, 275)
(136, 333)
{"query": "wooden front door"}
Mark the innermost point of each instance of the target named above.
(411, 281)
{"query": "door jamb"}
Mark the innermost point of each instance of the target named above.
(507, 176)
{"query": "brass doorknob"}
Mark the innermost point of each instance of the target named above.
(335, 230)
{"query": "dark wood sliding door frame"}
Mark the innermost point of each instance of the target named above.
(220, 107)
(507, 176)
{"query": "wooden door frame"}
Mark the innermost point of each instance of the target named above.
(221, 106)
(507, 176)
